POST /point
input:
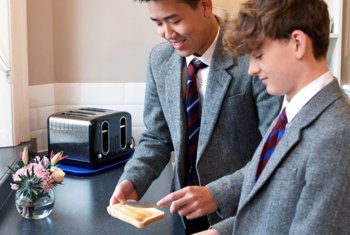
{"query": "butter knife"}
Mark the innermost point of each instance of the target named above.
(140, 204)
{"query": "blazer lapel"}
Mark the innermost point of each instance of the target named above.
(172, 71)
(304, 118)
(218, 82)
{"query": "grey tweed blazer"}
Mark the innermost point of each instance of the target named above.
(305, 187)
(236, 113)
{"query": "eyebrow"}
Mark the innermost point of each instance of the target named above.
(165, 18)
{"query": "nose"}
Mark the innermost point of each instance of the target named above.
(253, 69)
(168, 32)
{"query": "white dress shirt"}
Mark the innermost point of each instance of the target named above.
(304, 95)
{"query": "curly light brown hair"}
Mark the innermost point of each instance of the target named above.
(277, 19)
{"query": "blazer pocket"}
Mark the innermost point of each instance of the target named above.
(286, 173)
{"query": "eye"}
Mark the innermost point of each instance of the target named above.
(259, 56)
(176, 22)
(158, 23)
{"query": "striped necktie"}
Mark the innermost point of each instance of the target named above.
(271, 142)
(193, 109)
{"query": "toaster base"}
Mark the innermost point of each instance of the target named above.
(80, 171)
(91, 165)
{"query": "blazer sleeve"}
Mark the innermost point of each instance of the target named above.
(224, 227)
(226, 192)
(153, 151)
(267, 106)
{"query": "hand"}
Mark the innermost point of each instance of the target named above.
(191, 201)
(122, 192)
(207, 232)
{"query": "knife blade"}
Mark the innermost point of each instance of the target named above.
(140, 204)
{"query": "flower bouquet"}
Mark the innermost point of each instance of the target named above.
(33, 182)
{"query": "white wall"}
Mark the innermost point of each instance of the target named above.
(73, 41)
(93, 40)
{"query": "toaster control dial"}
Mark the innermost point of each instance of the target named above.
(99, 156)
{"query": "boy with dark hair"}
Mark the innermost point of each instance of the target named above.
(212, 117)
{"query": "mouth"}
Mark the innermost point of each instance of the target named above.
(263, 80)
(178, 44)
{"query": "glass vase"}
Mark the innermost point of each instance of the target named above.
(35, 209)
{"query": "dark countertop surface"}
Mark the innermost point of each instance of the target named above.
(80, 208)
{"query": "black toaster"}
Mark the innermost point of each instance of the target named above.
(91, 137)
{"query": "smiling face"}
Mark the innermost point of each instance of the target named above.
(189, 30)
(277, 67)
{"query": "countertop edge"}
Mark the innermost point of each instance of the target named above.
(5, 178)
(5, 190)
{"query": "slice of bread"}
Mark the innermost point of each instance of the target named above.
(139, 217)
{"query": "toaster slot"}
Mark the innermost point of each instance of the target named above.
(81, 112)
(123, 137)
(95, 110)
(105, 137)
(74, 114)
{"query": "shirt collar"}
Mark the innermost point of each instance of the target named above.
(305, 94)
(208, 54)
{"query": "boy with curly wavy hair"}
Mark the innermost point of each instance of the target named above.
(304, 186)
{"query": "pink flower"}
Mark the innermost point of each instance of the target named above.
(46, 162)
(14, 186)
(39, 171)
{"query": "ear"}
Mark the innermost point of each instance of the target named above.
(207, 7)
(299, 40)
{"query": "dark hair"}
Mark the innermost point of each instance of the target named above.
(191, 3)
(277, 19)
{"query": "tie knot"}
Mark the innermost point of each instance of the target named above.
(283, 116)
(197, 65)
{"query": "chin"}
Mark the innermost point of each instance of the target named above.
(273, 91)
(184, 52)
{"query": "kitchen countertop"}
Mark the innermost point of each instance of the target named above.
(80, 208)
